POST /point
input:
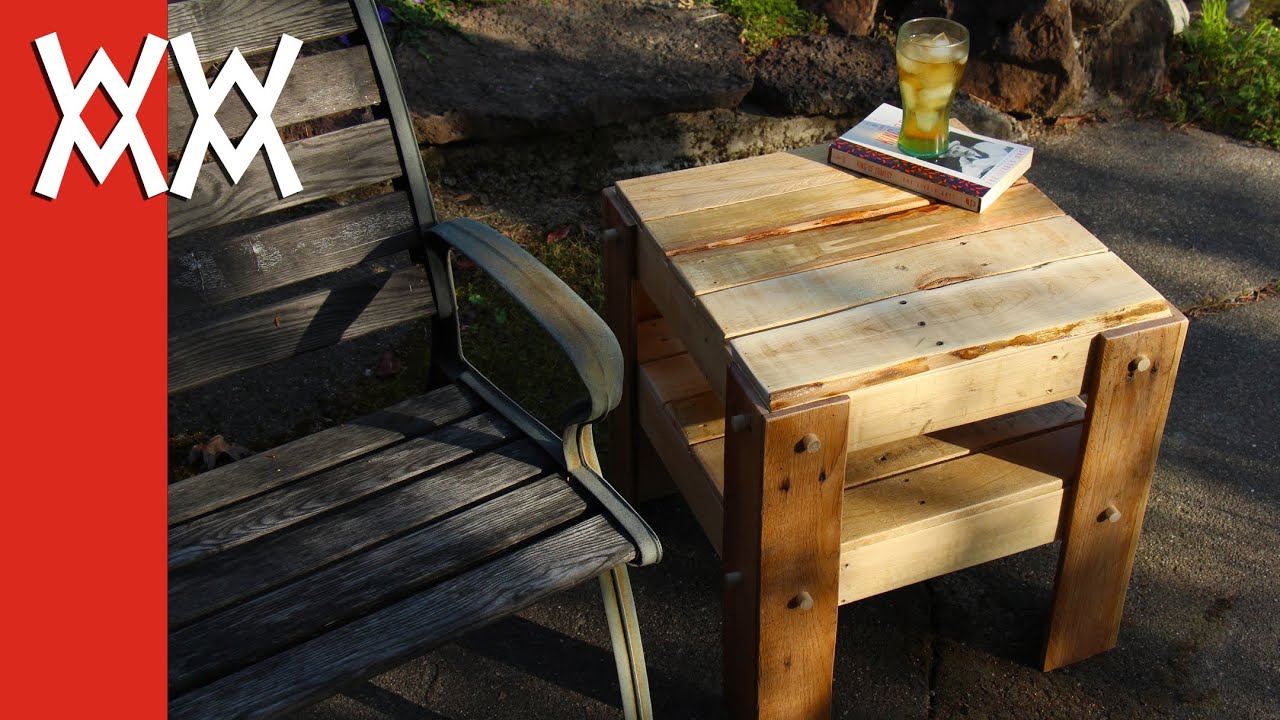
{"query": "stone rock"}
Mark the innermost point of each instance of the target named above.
(1022, 56)
(899, 11)
(1127, 60)
(527, 66)
(826, 75)
(1086, 14)
(983, 118)
(854, 17)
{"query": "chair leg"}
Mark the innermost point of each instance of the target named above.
(628, 652)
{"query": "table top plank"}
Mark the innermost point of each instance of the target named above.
(792, 298)
(709, 186)
(852, 199)
(719, 268)
(932, 329)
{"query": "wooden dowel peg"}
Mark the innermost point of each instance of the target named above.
(810, 443)
(1142, 363)
(1111, 514)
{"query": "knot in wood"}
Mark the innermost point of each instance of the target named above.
(809, 443)
(803, 601)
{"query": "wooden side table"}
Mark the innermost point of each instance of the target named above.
(911, 388)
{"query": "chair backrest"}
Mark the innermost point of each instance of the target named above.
(255, 277)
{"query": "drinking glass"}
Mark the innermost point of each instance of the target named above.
(932, 53)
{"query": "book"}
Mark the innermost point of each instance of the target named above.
(975, 171)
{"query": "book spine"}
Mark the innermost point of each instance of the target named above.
(903, 180)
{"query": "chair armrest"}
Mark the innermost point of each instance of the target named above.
(586, 339)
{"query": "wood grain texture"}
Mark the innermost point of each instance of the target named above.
(310, 322)
(1124, 426)
(210, 268)
(655, 340)
(379, 641)
(710, 186)
(968, 392)
(950, 515)
(685, 464)
(318, 85)
(684, 314)
(770, 257)
(229, 577)
(238, 524)
(620, 312)
(357, 585)
(326, 164)
(851, 199)
(265, 471)
(871, 464)
(217, 26)
(782, 544)
(935, 551)
(933, 329)
(792, 298)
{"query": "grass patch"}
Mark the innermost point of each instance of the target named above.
(765, 22)
(414, 20)
(1226, 77)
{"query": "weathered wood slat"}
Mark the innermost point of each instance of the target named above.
(217, 26)
(229, 577)
(711, 186)
(801, 296)
(933, 329)
(380, 640)
(266, 624)
(254, 518)
(952, 515)
(318, 85)
(260, 473)
(771, 257)
(207, 270)
(326, 164)
(307, 323)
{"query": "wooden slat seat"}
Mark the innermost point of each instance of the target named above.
(444, 501)
(321, 562)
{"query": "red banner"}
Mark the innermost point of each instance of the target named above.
(84, 373)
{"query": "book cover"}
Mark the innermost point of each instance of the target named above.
(974, 172)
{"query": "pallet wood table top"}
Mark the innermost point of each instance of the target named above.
(818, 282)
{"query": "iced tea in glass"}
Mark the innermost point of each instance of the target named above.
(932, 53)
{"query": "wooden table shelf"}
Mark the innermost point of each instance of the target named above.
(913, 509)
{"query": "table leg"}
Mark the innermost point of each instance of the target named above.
(1129, 392)
(620, 313)
(784, 481)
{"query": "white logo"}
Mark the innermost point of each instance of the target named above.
(206, 133)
